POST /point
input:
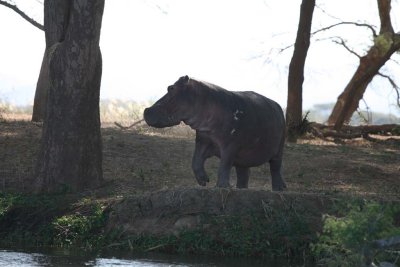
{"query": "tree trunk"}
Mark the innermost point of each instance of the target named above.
(385, 44)
(55, 20)
(70, 157)
(296, 71)
(42, 89)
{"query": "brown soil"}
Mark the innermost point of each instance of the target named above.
(141, 159)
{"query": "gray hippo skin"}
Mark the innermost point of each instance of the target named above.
(243, 129)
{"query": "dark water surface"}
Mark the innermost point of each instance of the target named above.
(61, 257)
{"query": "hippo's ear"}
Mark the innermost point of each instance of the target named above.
(183, 80)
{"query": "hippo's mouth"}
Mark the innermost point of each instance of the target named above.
(159, 119)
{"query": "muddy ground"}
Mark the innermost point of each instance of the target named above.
(141, 159)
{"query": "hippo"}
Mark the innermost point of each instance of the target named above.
(244, 129)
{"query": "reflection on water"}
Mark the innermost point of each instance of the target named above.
(69, 258)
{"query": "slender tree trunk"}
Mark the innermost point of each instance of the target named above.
(296, 71)
(71, 151)
(385, 45)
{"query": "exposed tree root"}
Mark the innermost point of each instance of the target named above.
(351, 132)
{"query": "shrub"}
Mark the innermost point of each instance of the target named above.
(346, 240)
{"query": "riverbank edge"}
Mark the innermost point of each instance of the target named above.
(223, 222)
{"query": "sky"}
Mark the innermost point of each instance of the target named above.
(148, 44)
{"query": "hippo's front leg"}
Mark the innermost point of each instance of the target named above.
(203, 150)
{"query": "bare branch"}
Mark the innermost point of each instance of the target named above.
(334, 25)
(395, 61)
(285, 48)
(130, 126)
(22, 14)
(367, 119)
(343, 43)
(347, 23)
(394, 85)
(326, 13)
(350, 132)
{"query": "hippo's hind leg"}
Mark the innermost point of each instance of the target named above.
(242, 175)
(202, 151)
(275, 165)
(225, 165)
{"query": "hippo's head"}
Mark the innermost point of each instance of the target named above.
(175, 106)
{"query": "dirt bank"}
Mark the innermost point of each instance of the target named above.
(170, 211)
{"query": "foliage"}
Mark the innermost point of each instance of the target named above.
(6, 202)
(23, 218)
(80, 230)
(52, 220)
(345, 240)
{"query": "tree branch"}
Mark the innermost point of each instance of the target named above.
(22, 14)
(334, 25)
(326, 13)
(384, 7)
(343, 43)
(347, 23)
(350, 132)
(130, 126)
(394, 85)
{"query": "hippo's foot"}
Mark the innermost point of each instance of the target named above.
(202, 180)
(202, 183)
(223, 184)
(279, 186)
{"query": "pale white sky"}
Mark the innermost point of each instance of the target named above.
(149, 44)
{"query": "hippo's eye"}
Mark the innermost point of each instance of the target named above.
(170, 88)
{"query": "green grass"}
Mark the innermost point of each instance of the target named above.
(347, 238)
(52, 220)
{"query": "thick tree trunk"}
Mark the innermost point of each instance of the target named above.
(296, 71)
(349, 99)
(385, 45)
(71, 151)
(55, 20)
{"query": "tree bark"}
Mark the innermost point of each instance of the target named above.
(42, 89)
(70, 157)
(294, 107)
(385, 45)
(55, 21)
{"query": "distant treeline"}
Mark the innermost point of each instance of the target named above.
(320, 113)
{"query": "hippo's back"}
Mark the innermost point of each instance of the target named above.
(266, 112)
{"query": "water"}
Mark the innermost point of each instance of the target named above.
(60, 257)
